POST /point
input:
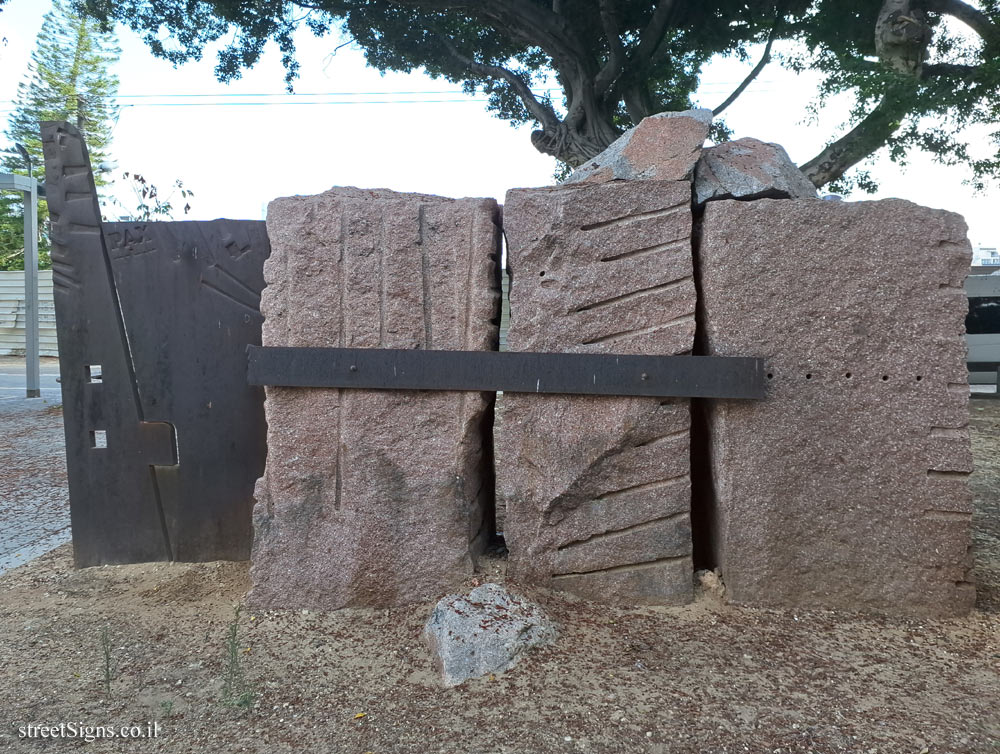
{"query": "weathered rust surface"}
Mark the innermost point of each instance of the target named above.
(164, 438)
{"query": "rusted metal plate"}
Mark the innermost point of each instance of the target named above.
(573, 373)
(164, 438)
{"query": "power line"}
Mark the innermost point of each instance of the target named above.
(307, 94)
(306, 98)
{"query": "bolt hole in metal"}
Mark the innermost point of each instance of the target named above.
(885, 378)
(541, 274)
(809, 376)
(847, 376)
(770, 376)
(919, 378)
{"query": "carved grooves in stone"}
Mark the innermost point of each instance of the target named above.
(678, 435)
(623, 568)
(948, 516)
(62, 273)
(558, 514)
(935, 474)
(638, 217)
(667, 246)
(425, 279)
(682, 320)
(670, 285)
(615, 533)
(644, 487)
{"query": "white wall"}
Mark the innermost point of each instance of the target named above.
(12, 314)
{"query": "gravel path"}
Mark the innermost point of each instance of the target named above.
(34, 499)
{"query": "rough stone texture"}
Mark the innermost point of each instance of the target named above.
(749, 169)
(663, 147)
(847, 487)
(597, 490)
(486, 632)
(375, 498)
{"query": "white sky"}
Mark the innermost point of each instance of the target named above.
(237, 157)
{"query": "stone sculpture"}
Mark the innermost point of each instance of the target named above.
(846, 488)
(375, 498)
(597, 490)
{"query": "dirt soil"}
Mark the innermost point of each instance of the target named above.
(703, 678)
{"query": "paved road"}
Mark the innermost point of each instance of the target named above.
(13, 382)
(34, 500)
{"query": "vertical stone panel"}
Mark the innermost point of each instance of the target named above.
(847, 487)
(597, 490)
(375, 498)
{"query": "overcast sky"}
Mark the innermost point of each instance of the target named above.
(238, 146)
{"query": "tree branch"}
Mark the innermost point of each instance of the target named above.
(949, 69)
(652, 35)
(616, 50)
(864, 139)
(764, 60)
(532, 24)
(540, 111)
(974, 18)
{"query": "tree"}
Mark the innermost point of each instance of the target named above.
(68, 79)
(617, 61)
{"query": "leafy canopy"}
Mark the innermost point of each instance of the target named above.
(617, 61)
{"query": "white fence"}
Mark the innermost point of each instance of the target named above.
(12, 314)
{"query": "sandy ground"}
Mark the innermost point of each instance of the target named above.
(703, 678)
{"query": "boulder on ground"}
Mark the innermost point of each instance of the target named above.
(486, 632)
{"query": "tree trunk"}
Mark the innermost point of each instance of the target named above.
(864, 139)
(582, 135)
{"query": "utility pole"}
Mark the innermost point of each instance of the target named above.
(29, 190)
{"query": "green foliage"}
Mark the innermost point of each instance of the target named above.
(68, 79)
(108, 663)
(236, 691)
(12, 233)
(150, 204)
(617, 61)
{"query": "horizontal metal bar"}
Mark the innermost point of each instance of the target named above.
(509, 371)
(984, 366)
(12, 182)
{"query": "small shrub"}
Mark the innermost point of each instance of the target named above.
(108, 660)
(236, 692)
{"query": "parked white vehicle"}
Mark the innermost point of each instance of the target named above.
(982, 326)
